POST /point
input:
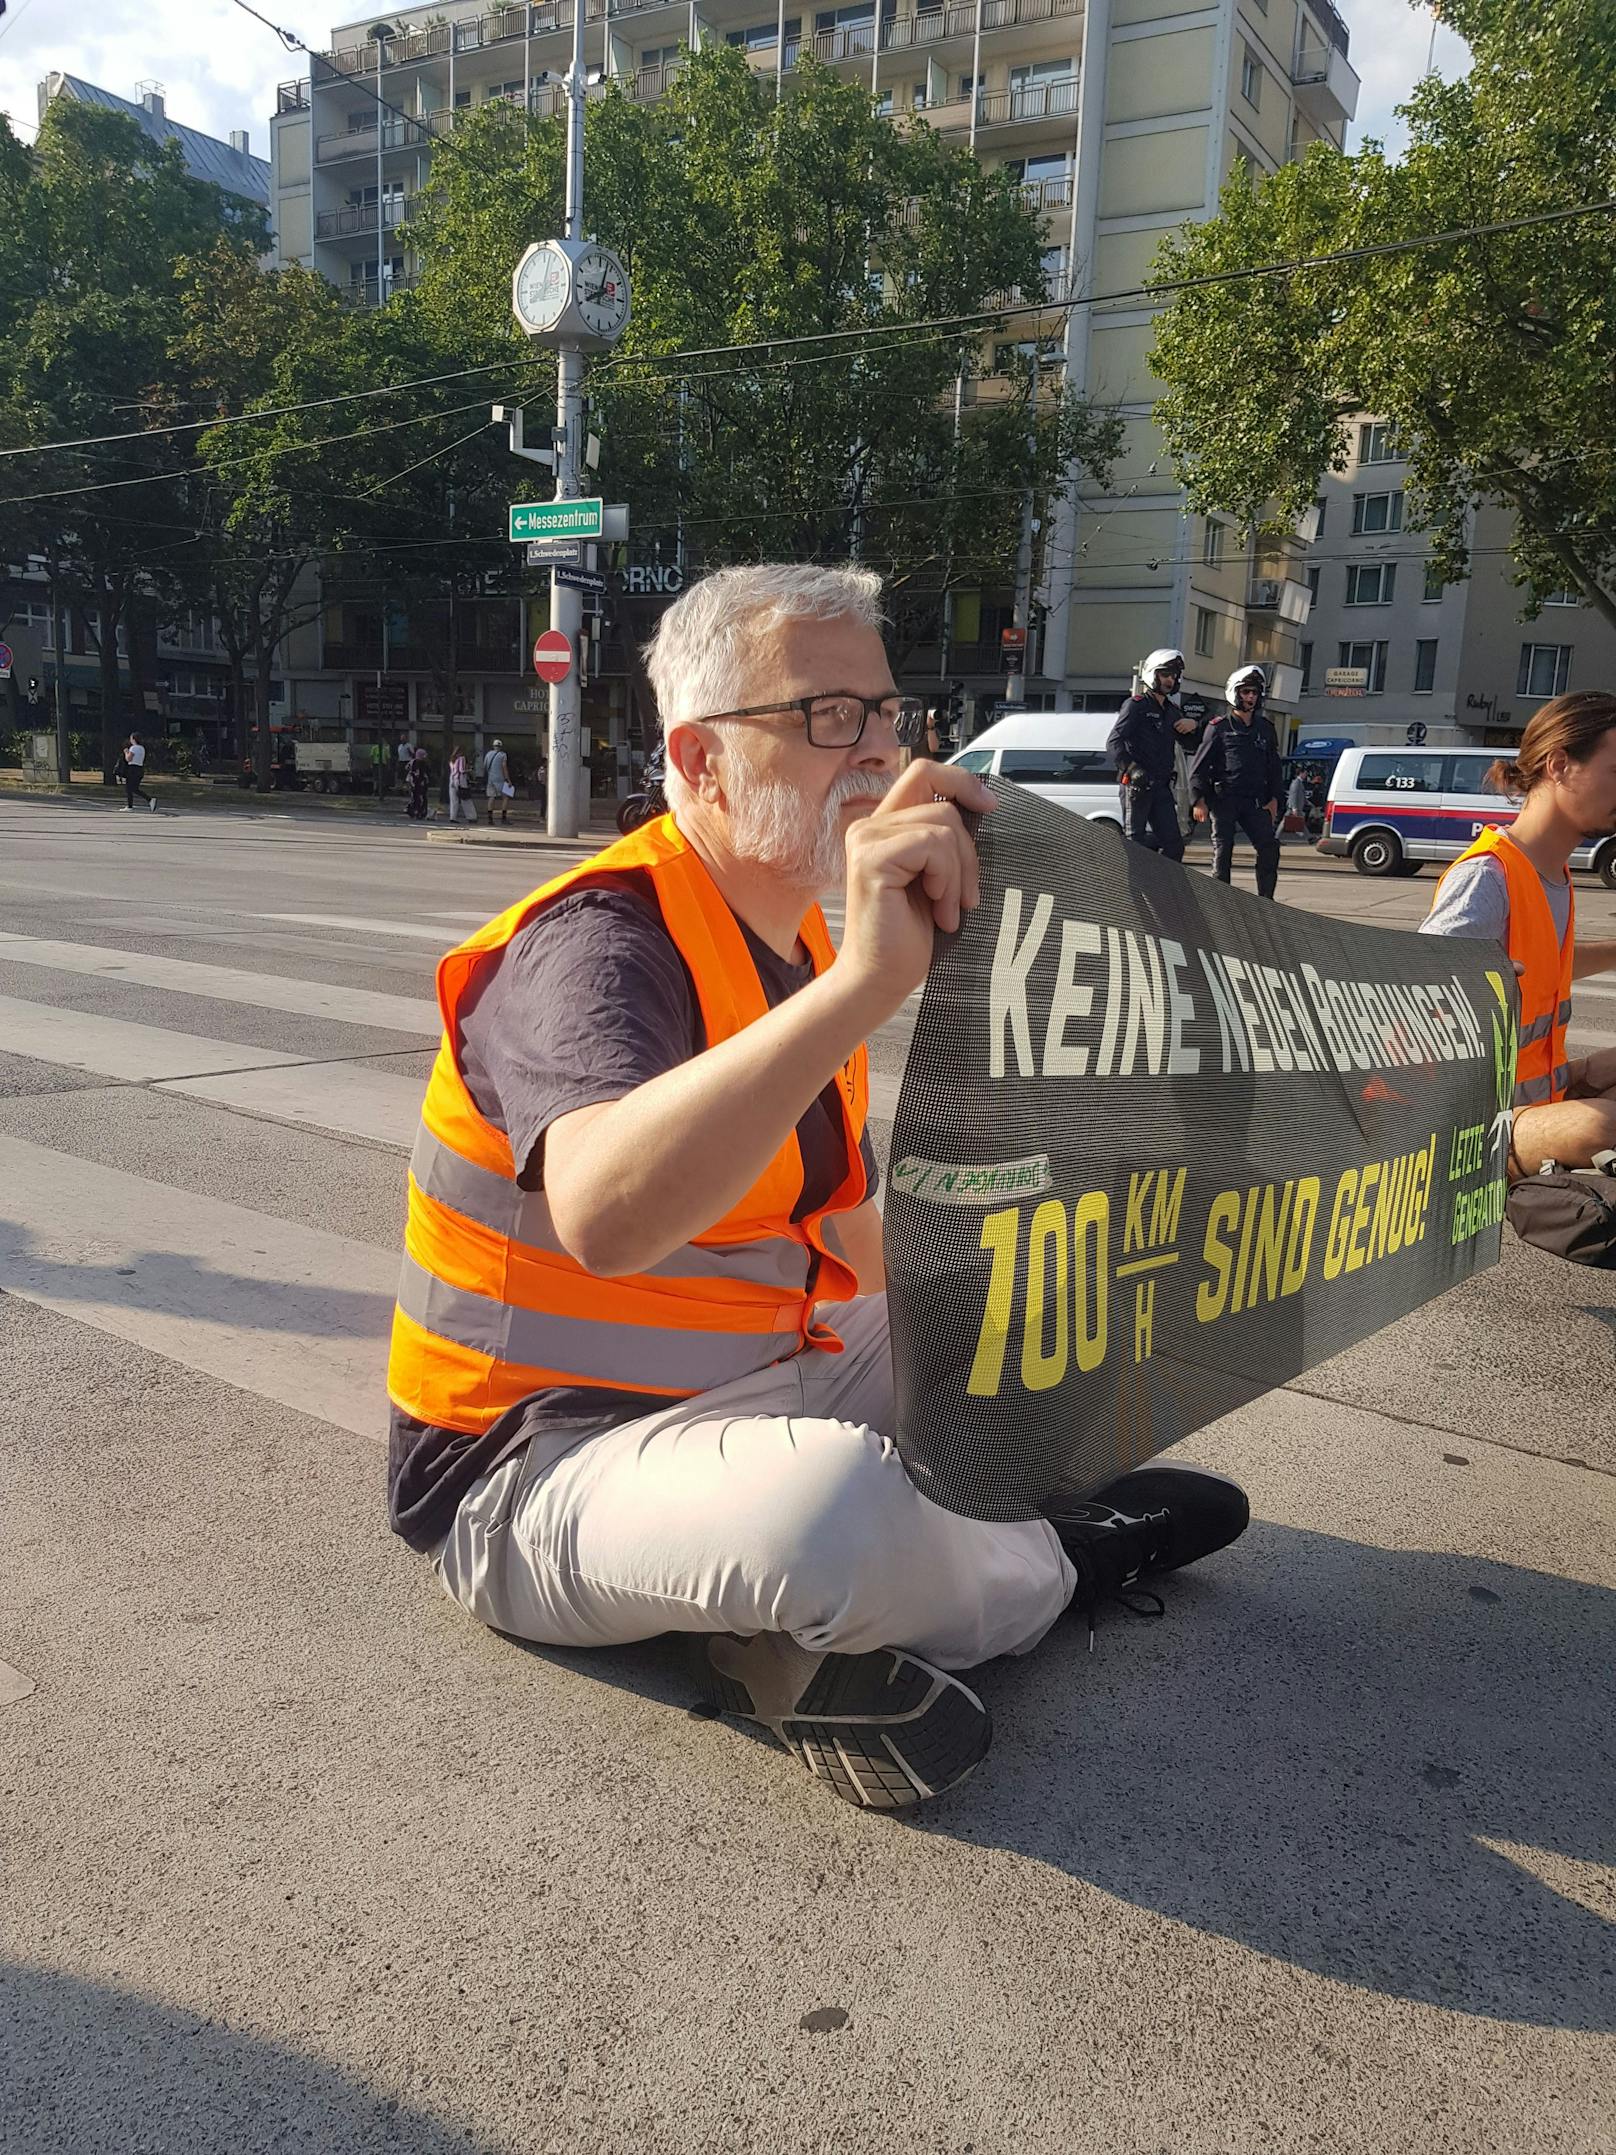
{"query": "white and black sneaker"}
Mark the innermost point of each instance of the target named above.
(886, 1729)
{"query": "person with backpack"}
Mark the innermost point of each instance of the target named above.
(1144, 746)
(1237, 779)
(497, 783)
(1513, 886)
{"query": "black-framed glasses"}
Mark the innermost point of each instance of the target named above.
(838, 718)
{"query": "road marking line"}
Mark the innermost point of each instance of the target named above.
(229, 984)
(119, 1048)
(318, 1096)
(288, 1313)
(361, 926)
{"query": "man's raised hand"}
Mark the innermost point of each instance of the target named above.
(911, 869)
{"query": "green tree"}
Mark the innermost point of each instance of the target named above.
(743, 220)
(1493, 357)
(93, 223)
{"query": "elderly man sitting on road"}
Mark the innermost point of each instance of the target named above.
(640, 1374)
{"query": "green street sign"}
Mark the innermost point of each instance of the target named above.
(555, 520)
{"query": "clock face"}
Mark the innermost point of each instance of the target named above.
(600, 294)
(543, 282)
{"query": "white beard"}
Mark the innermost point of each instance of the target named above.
(768, 824)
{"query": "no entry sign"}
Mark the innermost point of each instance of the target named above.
(552, 656)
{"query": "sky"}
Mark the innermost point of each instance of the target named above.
(218, 67)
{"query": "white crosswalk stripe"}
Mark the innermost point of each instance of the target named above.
(231, 984)
(357, 925)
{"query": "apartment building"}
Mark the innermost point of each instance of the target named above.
(1121, 119)
(1459, 660)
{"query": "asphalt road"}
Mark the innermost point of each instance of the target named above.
(295, 1857)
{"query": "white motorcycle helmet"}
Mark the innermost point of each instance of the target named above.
(1158, 662)
(1246, 677)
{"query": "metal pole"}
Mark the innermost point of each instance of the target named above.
(976, 71)
(381, 121)
(1015, 688)
(779, 50)
(566, 604)
(64, 759)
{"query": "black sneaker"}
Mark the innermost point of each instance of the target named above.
(886, 1730)
(1153, 1520)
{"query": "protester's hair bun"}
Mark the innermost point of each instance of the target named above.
(1505, 776)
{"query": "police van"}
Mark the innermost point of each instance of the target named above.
(1062, 755)
(1394, 809)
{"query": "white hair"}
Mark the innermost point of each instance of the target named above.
(698, 657)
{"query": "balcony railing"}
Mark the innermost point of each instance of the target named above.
(932, 25)
(1050, 194)
(365, 293)
(361, 141)
(359, 217)
(501, 26)
(292, 97)
(646, 84)
(1027, 101)
(1281, 596)
(1334, 28)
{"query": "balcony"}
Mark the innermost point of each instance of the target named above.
(292, 97)
(1325, 84)
(935, 25)
(1027, 101)
(361, 141)
(356, 297)
(1040, 196)
(354, 219)
(646, 84)
(1280, 598)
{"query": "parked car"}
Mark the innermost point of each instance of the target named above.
(1394, 809)
(1062, 755)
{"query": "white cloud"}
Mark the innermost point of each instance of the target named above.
(218, 67)
(1391, 42)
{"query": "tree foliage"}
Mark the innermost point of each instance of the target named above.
(743, 220)
(1493, 355)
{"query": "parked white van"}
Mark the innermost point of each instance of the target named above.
(1063, 756)
(1393, 809)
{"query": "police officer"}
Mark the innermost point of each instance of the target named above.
(1144, 746)
(1237, 779)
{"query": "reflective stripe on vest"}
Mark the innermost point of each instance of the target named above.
(1542, 1068)
(492, 1308)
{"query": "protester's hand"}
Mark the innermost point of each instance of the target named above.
(911, 869)
(1273, 810)
(1200, 811)
(1597, 1072)
(1183, 725)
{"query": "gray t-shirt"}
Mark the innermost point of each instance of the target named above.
(1474, 902)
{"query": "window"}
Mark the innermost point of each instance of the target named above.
(760, 36)
(917, 98)
(1251, 78)
(1545, 669)
(462, 99)
(1434, 585)
(1058, 767)
(1468, 774)
(1313, 576)
(1401, 774)
(1377, 512)
(1319, 508)
(1562, 598)
(1212, 544)
(1371, 658)
(1425, 666)
(883, 104)
(1206, 629)
(1053, 263)
(1376, 444)
(975, 759)
(1307, 668)
(1370, 583)
(968, 83)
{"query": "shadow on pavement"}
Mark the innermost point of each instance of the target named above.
(90, 2070)
(1310, 1756)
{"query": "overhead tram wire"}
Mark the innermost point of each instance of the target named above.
(855, 336)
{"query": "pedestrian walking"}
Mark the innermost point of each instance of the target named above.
(134, 774)
(1296, 804)
(460, 788)
(1144, 746)
(1237, 779)
(418, 778)
(497, 782)
(379, 763)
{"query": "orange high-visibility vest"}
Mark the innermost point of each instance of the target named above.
(1542, 1068)
(491, 1308)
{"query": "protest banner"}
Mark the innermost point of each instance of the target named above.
(1161, 1146)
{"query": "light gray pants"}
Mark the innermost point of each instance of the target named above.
(770, 1504)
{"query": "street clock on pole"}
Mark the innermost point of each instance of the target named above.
(571, 292)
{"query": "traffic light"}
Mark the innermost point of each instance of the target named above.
(955, 709)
